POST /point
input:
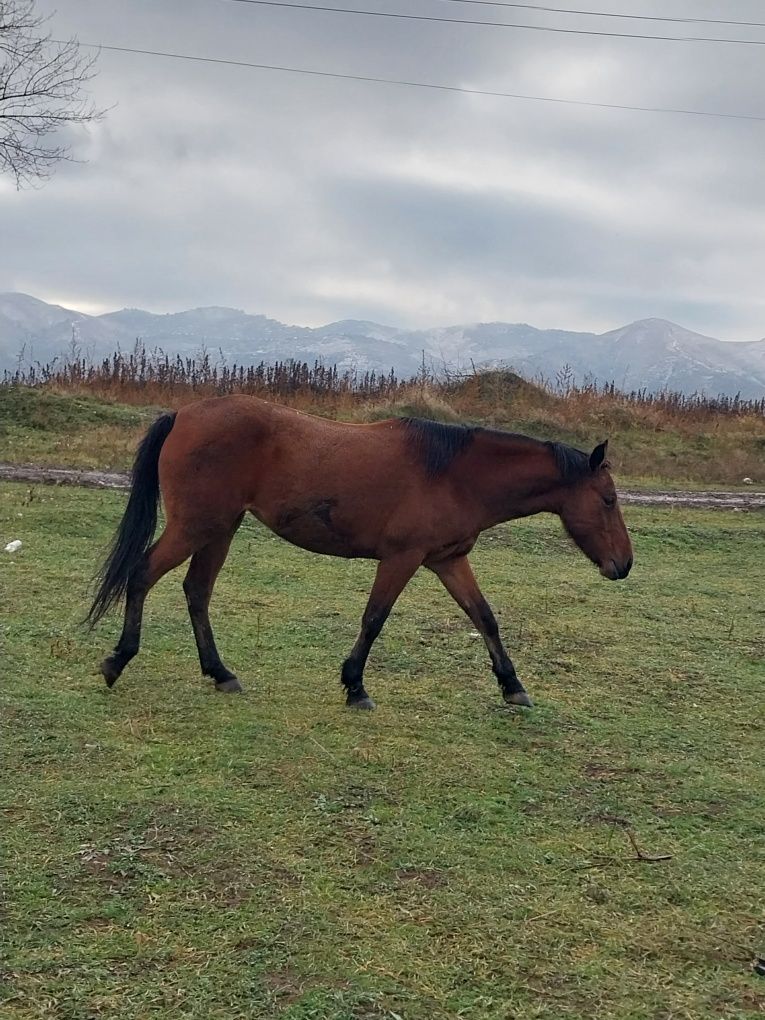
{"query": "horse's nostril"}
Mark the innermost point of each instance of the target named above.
(626, 568)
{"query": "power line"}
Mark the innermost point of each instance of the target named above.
(420, 84)
(496, 24)
(607, 14)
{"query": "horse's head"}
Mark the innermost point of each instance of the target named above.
(590, 513)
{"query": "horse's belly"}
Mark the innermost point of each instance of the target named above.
(316, 528)
(328, 545)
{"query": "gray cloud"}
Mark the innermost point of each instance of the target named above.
(313, 199)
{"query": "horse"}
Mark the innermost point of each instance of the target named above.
(406, 492)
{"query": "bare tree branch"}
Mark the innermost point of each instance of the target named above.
(42, 88)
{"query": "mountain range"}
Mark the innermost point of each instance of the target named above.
(651, 353)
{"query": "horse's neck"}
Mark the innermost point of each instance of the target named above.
(513, 476)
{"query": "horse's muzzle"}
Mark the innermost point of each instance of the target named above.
(616, 571)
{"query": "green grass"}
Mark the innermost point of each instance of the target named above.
(170, 851)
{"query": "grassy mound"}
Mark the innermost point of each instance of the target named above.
(649, 443)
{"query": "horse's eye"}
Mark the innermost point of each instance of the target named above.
(609, 500)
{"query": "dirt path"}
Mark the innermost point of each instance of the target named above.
(743, 500)
(63, 476)
(703, 499)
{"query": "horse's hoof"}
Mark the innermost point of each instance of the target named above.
(365, 704)
(110, 672)
(230, 686)
(518, 698)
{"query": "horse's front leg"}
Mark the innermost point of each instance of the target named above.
(391, 578)
(459, 580)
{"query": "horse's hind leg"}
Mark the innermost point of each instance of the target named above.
(457, 577)
(171, 549)
(198, 584)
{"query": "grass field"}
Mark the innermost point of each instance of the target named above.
(173, 852)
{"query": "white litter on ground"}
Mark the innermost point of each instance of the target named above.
(13, 546)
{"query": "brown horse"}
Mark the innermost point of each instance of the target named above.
(405, 492)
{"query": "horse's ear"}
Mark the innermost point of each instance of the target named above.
(598, 456)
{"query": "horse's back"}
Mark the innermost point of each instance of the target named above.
(247, 452)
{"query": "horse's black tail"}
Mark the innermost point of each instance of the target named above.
(136, 529)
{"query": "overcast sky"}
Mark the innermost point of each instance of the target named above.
(313, 199)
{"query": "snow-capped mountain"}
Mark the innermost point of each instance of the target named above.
(650, 353)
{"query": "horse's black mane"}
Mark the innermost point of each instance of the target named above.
(573, 464)
(437, 444)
